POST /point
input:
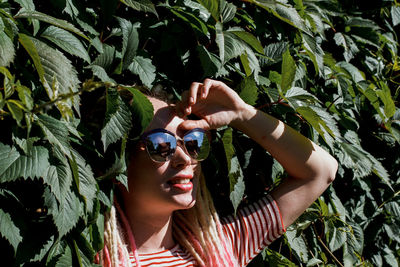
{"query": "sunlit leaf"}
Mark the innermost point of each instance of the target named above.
(31, 14)
(144, 69)
(66, 41)
(7, 50)
(117, 121)
(141, 5)
(142, 108)
(212, 6)
(8, 230)
(130, 41)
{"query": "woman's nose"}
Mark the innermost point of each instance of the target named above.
(181, 157)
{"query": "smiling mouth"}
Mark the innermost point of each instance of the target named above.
(179, 181)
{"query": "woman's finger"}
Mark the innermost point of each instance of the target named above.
(191, 124)
(206, 88)
(194, 89)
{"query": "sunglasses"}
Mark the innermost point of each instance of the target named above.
(161, 144)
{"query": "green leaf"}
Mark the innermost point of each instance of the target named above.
(66, 41)
(101, 73)
(297, 244)
(144, 68)
(283, 11)
(142, 109)
(7, 50)
(118, 119)
(230, 46)
(33, 165)
(67, 214)
(228, 11)
(196, 23)
(350, 47)
(235, 173)
(248, 90)
(212, 6)
(274, 53)
(130, 41)
(273, 258)
(315, 52)
(141, 5)
(31, 14)
(250, 39)
(321, 121)
(8, 230)
(395, 13)
(15, 110)
(65, 259)
(288, 72)
(56, 70)
(55, 131)
(24, 94)
(87, 183)
(106, 58)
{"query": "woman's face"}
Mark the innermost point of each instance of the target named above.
(162, 186)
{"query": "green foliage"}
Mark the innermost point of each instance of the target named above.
(72, 75)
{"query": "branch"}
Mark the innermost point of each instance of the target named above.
(326, 248)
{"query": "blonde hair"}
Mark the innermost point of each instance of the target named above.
(197, 229)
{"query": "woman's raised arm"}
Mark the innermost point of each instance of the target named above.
(311, 169)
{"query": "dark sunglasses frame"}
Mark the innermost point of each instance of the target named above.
(179, 142)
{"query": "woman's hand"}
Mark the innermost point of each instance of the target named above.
(215, 104)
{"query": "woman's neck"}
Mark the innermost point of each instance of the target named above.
(152, 232)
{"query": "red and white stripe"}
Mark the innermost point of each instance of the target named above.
(252, 229)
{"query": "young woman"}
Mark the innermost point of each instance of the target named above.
(168, 218)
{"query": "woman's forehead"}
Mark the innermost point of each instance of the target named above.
(165, 116)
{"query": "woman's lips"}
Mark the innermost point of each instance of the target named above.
(182, 182)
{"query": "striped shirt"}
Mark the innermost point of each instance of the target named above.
(252, 229)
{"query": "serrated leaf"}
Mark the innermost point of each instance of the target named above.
(248, 90)
(141, 5)
(395, 13)
(350, 47)
(66, 41)
(8, 230)
(87, 183)
(274, 53)
(196, 23)
(321, 121)
(33, 165)
(106, 58)
(228, 11)
(142, 109)
(31, 14)
(15, 111)
(130, 41)
(118, 119)
(55, 131)
(288, 72)
(283, 11)
(212, 6)
(235, 173)
(101, 73)
(56, 73)
(66, 258)
(24, 94)
(67, 214)
(7, 50)
(144, 69)
(250, 39)
(315, 52)
(297, 244)
(230, 46)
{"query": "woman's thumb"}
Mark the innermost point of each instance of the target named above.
(191, 124)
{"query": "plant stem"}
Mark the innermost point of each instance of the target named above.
(326, 248)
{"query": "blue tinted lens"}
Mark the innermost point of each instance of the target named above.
(160, 146)
(197, 144)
